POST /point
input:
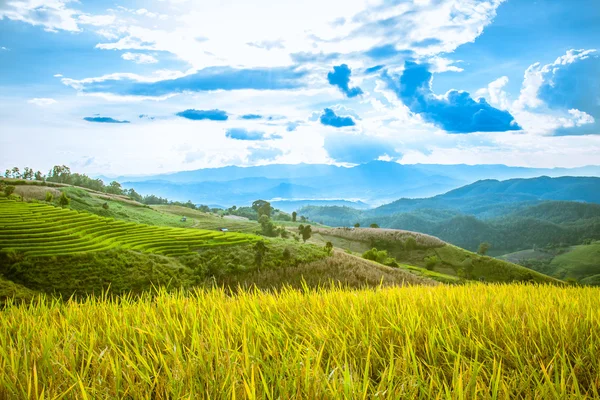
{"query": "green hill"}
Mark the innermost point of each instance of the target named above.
(429, 256)
(581, 263)
(64, 252)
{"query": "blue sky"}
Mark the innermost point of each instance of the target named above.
(130, 87)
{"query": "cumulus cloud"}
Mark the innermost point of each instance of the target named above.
(42, 101)
(139, 58)
(572, 81)
(199, 115)
(340, 77)
(244, 134)
(330, 118)
(455, 112)
(105, 120)
(359, 148)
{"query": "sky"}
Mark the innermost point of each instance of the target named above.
(142, 87)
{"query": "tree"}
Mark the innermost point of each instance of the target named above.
(374, 225)
(134, 195)
(294, 215)
(38, 176)
(49, 197)
(260, 250)
(28, 173)
(60, 174)
(303, 218)
(300, 228)
(8, 190)
(357, 225)
(287, 256)
(265, 209)
(258, 204)
(329, 247)
(114, 188)
(306, 233)
(483, 248)
(16, 173)
(267, 227)
(64, 200)
(7, 174)
(105, 205)
(410, 243)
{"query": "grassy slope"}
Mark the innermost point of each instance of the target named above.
(124, 270)
(201, 220)
(581, 262)
(454, 260)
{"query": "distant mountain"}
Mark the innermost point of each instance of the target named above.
(513, 215)
(374, 183)
(490, 198)
(292, 205)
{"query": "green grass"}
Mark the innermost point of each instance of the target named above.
(454, 261)
(578, 263)
(446, 342)
(37, 230)
(201, 220)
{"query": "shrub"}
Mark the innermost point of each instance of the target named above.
(329, 248)
(379, 256)
(49, 197)
(431, 262)
(8, 190)
(64, 200)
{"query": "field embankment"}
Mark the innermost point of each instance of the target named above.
(472, 341)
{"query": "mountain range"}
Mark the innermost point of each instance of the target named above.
(373, 183)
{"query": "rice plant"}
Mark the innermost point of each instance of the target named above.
(463, 342)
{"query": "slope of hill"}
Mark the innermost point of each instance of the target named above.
(429, 252)
(46, 249)
(580, 263)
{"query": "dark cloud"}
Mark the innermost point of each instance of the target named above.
(199, 115)
(330, 118)
(456, 112)
(340, 77)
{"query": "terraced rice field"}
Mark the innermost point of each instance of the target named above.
(43, 230)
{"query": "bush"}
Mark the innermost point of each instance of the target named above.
(49, 197)
(431, 262)
(8, 190)
(64, 200)
(379, 256)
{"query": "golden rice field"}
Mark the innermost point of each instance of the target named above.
(444, 342)
(37, 229)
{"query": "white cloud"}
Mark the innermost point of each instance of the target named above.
(96, 20)
(536, 75)
(230, 31)
(53, 15)
(139, 58)
(4, 48)
(58, 75)
(42, 101)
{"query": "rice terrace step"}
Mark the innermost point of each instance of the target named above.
(38, 230)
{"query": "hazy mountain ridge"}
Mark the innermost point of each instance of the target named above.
(374, 183)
